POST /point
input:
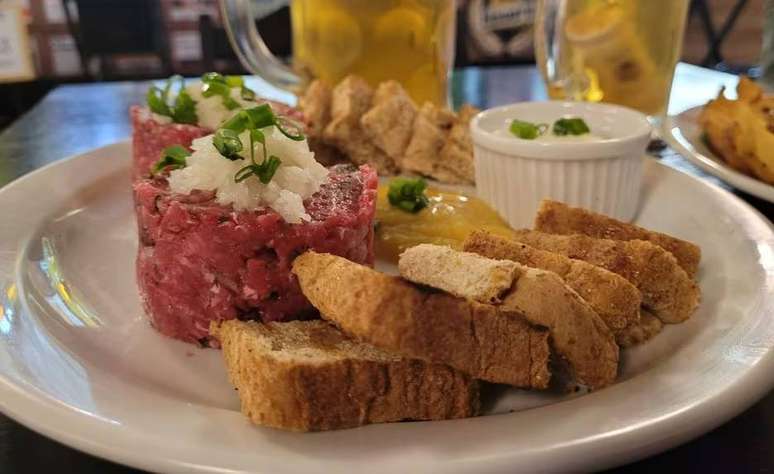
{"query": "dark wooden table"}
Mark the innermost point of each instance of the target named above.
(76, 118)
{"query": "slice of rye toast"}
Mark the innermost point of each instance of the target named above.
(558, 218)
(667, 291)
(393, 314)
(308, 376)
(578, 334)
(614, 299)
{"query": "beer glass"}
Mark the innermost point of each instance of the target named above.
(411, 41)
(619, 51)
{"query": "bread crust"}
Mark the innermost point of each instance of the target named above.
(666, 288)
(556, 217)
(578, 334)
(395, 315)
(612, 296)
(347, 386)
(640, 332)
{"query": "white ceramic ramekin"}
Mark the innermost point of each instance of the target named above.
(514, 175)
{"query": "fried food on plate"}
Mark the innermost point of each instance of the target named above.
(741, 131)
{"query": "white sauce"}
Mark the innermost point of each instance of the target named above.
(298, 177)
(548, 136)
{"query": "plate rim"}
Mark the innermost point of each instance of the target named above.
(19, 401)
(674, 135)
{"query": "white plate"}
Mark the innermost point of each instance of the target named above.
(79, 363)
(683, 133)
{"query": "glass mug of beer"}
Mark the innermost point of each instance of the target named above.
(411, 41)
(619, 51)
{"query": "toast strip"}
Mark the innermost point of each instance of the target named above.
(462, 274)
(641, 331)
(613, 298)
(391, 313)
(666, 289)
(579, 335)
(307, 376)
(558, 218)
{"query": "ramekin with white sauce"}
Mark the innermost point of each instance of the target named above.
(600, 170)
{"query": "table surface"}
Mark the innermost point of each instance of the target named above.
(76, 118)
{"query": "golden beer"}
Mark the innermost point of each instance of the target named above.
(411, 41)
(619, 51)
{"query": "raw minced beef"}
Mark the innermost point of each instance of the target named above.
(199, 261)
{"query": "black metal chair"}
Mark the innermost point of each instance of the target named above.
(108, 27)
(716, 37)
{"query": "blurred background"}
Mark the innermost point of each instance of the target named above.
(44, 43)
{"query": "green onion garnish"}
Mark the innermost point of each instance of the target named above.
(214, 84)
(229, 145)
(570, 126)
(172, 157)
(264, 171)
(408, 194)
(527, 130)
(181, 110)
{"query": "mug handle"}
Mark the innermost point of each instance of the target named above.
(251, 49)
(551, 58)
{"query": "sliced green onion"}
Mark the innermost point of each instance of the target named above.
(227, 143)
(290, 128)
(527, 130)
(264, 171)
(235, 81)
(570, 126)
(247, 93)
(408, 194)
(172, 157)
(214, 84)
(260, 116)
(238, 123)
(182, 110)
(210, 89)
(268, 168)
(156, 102)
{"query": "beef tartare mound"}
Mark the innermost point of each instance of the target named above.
(200, 261)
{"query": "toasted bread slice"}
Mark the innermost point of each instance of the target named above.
(389, 123)
(316, 104)
(613, 298)
(307, 376)
(666, 289)
(639, 332)
(558, 218)
(579, 335)
(350, 99)
(462, 274)
(395, 315)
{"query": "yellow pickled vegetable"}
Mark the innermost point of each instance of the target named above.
(447, 220)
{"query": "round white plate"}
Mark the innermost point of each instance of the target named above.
(683, 133)
(79, 363)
